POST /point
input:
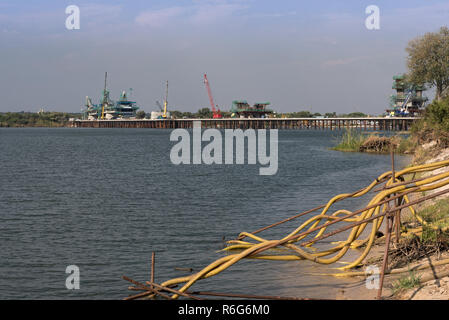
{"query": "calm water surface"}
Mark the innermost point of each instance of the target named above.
(104, 199)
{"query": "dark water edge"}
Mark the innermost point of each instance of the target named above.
(104, 199)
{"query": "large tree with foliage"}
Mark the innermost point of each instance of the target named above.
(428, 60)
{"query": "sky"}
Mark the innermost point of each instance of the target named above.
(299, 55)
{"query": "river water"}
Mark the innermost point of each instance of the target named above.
(105, 199)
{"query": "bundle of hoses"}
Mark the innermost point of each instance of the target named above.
(396, 185)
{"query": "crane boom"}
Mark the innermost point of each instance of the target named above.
(209, 92)
(217, 114)
(165, 102)
(105, 97)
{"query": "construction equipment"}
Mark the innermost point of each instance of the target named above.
(409, 95)
(105, 96)
(216, 112)
(165, 102)
(107, 108)
(164, 113)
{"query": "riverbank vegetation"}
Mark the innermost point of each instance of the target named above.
(356, 141)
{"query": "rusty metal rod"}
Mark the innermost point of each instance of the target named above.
(132, 288)
(151, 290)
(334, 221)
(305, 212)
(393, 173)
(398, 224)
(139, 295)
(173, 291)
(385, 260)
(397, 214)
(184, 269)
(283, 221)
(405, 183)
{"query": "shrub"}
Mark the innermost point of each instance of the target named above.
(350, 141)
(434, 126)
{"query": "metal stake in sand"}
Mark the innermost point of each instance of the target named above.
(397, 216)
(394, 215)
(385, 260)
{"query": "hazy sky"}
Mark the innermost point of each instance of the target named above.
(299, 55)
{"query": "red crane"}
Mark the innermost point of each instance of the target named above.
(217, 113)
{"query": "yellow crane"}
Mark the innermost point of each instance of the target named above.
(164, 115)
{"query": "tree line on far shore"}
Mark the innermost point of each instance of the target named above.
(39, 119)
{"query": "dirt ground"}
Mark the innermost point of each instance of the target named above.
(437, 288)
(430, 290)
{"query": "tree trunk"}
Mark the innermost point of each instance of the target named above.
(439, 92)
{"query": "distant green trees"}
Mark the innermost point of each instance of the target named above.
(41, 119)
(299, 114)
(206, 113)
(140, 114)
(203, 113)
(176, 114)
(308, 114)
(183, 115)
(188, 115)
(353, 115)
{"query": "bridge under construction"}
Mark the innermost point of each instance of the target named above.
(370, 123)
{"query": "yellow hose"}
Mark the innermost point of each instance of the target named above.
(291, 252)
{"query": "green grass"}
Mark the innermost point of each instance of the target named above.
(350, 141)
(407, 282)
(437, 215)
(405, 145)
